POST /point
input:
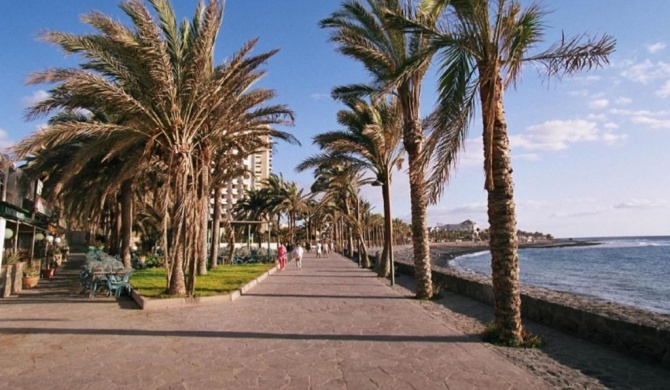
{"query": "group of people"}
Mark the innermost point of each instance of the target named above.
(296, 254)
(322, 250)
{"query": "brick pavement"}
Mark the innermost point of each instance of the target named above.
(330, 325)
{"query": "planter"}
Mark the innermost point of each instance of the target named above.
(58, 259)
(48, 273)
(30, 281)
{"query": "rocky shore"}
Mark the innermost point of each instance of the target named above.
(441, 254)
(566, 361)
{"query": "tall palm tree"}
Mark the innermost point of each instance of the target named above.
(339, 181)
(294, 203)
(160, 74)
(371, 141)
(397, 64)
(483, 49)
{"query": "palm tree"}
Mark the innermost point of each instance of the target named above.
(397, 64)
(294, 203)
(370, 141)
(483, 49)
(67, 168)
(177, 105)
(339, 181)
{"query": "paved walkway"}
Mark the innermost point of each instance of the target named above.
(330, 325)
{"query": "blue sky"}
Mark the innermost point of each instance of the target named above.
(589, 152)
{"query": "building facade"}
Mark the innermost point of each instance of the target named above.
(24, 214)
(466, 226)
(258, 166)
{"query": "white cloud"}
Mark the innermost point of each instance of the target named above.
(664, 91)
(526, 156)
(578, 214)
(653, 119)
(655, 47)
(5, 142)
(611, 139)
(35, 98)
(439, 214)
(319, 96)
(625, 112)
(556, 135)
(621, 100)
(641, 204)
(473, 154)
(610, 126)
(587, 79)
(599, 104)
(596, 117)
(654, 123)
(647, 71)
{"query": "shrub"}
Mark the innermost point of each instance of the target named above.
(492, 335)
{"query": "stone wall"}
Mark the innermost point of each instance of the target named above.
(628, 329)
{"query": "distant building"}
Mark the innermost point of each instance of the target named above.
(466, 226)
(259, 166)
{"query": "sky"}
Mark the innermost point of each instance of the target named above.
(589, 152)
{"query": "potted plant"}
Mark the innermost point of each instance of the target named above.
(13, 270)
(31, 275)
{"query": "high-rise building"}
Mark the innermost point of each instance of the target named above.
(259, 166)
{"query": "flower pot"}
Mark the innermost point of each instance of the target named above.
(30, 281)
(48, 273)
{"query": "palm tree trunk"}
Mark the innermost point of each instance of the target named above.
(413, 141)
(350, 238)
(502, 220)
(204, 215)
(216, 230)
(126, 221)
(178, 236)
(385, 264)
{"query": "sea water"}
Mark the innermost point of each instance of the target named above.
(630, 270)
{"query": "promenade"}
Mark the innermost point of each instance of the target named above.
(330, 325)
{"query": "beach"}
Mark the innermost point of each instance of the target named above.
(566, 361)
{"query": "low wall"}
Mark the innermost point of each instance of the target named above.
(628, 329)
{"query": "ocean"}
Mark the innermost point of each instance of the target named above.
(629, 270)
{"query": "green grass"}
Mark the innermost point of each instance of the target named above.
(150, 282)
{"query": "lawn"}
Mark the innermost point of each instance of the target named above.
(150, 282)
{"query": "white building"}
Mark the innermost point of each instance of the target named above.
(260, 164)
(466, 226)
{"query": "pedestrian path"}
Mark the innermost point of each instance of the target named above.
(330, 325)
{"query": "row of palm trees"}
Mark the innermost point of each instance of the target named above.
(160, 127)
(481, 47)
(154, 125)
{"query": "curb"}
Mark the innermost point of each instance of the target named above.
(157, 304)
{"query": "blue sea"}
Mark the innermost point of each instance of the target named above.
(630, 270)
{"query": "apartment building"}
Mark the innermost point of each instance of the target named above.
(259, 166)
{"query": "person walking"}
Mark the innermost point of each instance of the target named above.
(297, 255)
(281, 255)
(318, 249)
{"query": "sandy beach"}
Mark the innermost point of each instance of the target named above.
(566, 361)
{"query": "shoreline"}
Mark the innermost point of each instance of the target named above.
(442, 253)
(450, 250)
